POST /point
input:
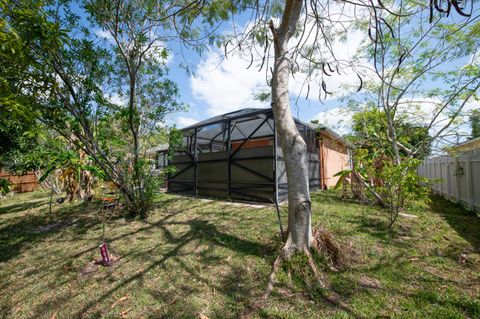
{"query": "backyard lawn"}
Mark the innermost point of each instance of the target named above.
(197, 258)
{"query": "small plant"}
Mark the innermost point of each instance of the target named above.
(401, 186)
(380, 180)
(5, 187)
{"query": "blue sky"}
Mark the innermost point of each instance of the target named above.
(224, 85)
(229, 81)
(218, 85)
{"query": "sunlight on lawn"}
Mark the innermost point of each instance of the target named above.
(192, 257)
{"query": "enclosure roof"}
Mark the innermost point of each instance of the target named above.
(236, 115)
(230, 116)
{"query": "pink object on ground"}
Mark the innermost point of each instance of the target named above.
(104, 252)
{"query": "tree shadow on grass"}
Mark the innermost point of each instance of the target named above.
(85, 221)
(463, 221)
(16, 208)
(199, 231)
(410, 285)
(32, 228)
(29, 229)
(17, 234)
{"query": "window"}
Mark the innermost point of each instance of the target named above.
(162, 160)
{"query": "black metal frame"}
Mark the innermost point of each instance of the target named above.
(234, 187)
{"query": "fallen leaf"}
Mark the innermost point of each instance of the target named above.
(202, 316)
(119, 300)
(463, 259)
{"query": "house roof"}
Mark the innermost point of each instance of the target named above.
(236, 115)
(466, 146)
(324, 130)
(153, 150)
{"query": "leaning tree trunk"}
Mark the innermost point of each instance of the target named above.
(293, 146)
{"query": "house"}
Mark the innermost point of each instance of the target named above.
(237, 156)
(471, 146)
(158, 156)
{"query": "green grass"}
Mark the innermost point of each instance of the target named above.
(193, 256)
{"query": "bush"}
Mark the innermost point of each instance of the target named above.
(401, 186)
(5, 187)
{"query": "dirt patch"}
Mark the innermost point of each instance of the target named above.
(49, 227)
(94, 266)
(247, 205)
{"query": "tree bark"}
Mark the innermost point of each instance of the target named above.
(392, 134)
(134, 129)
(292, 144)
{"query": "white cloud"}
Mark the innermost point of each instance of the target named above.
(338, 83)
(185, 121)
(103, 34)
(422, 111)
(338, 119)
(475, 58)
(117, 99)
(226, 85)
(427, 111)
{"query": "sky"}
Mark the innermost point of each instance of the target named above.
(216, 88)
(218, 85)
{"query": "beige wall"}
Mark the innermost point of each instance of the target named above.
(333, 159)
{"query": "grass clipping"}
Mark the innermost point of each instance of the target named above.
(324, 243)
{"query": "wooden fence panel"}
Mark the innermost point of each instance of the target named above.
(21, 183)
(456, 178)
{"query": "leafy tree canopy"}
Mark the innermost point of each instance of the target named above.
(370, 131)
(475, 123)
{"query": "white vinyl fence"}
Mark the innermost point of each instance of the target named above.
(458, 177)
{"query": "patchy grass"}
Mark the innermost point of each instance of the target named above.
(193, 256)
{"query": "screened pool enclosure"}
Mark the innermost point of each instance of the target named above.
(237, 156)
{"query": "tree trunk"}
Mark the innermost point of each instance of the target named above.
(139, 205)
(392, 134)
(293, 146)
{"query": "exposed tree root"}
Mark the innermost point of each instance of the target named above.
(324, 244)
(322, 280)
(272, 277)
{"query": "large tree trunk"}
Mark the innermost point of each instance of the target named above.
(293, 146)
